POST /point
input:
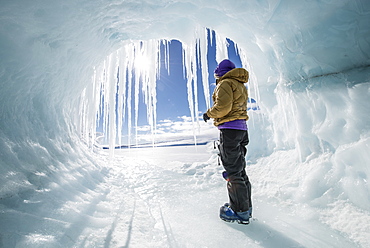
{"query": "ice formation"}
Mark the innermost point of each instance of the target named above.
(132, 72)
(309, 64)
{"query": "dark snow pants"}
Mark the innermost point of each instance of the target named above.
(232, 152)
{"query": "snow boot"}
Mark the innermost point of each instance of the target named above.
(228, 215)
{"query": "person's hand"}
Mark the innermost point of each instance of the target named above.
(205, 117)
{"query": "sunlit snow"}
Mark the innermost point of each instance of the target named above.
(66, 65)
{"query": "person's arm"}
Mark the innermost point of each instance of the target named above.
(223, 101)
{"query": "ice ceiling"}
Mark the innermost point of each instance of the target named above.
(49, 49)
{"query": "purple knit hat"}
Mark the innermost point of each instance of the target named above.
(223, 67)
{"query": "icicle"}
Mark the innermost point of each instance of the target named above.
(90, 105)
(203, 47)
(101, 95)
(195, 91)
(121, 93)
(221, 48)
(146, 72)
(167, 58)
(111, 107)
(166, 52)
(253, 82)
(189, 60)
(253, 88)
(102, 79)
(211, 35)
(152, 75)
(94, 106)
(130, 54)
(153, 83)
(138, 74)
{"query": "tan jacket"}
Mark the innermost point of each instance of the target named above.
(230, 97)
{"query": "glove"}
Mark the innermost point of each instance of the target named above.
(205, 117)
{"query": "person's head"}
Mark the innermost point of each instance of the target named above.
(223, 67)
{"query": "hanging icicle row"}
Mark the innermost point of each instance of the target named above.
(132, 71)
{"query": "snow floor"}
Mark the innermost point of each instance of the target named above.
(163, 197)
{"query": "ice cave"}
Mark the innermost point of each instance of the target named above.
(76, 74)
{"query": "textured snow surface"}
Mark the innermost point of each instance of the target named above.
(308, 159)
(167, 197)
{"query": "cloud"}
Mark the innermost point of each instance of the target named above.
(180, 131)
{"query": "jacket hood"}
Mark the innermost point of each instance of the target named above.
(239, 74)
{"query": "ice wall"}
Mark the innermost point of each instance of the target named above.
(310, 60)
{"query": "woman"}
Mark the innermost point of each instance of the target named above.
(229, 112)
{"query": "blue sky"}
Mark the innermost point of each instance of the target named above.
(171, 89)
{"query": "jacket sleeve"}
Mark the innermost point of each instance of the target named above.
(223, 100)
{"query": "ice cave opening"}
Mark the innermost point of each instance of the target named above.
(126, 84)
(309, 64)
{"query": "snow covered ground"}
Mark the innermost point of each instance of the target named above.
(170, 197)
